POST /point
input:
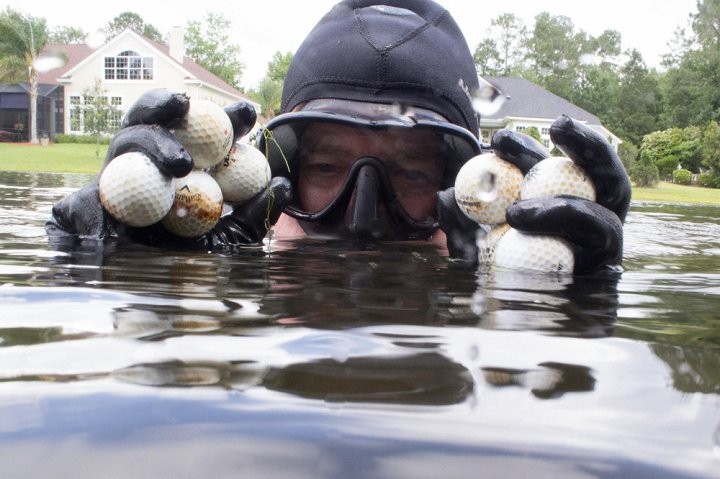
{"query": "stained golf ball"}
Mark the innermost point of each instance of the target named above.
(197, 206)
(485, 187)
(556, 175)
(134, 191)
(206, 133)
(546, 254)
(243, 174)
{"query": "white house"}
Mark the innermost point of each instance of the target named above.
(523, 104)
(128, 65)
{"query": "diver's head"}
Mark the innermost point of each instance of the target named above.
(377, 117)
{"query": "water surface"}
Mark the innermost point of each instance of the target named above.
(305, 360)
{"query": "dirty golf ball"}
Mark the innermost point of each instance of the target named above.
(197, 206)
(206, 133)
(485, 186)
(556, 175)
(243, 174)
(134, 191)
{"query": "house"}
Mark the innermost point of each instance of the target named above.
(523, 104)
(128, 65)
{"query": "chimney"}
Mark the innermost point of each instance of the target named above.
(176, 42)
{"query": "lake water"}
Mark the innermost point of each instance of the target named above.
(302, 360)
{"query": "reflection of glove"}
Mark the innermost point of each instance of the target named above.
(81, 214)
(594, 229)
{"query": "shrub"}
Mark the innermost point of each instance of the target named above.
(682, 177)
(644, 172)
(6, 136)
(89, 139)
(709, 180)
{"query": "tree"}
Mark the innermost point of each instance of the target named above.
(278, 66)
(487, 58)
(638, 102)
(209, 45)
(710, 151)
(644, 173)
(68, 35)
(134, 22)
(100, 117)
(22, 39)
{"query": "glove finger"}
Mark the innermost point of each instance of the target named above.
(460, 231)
(157, 107)
(249, 223)
(595, 232)
(242, 116)
(519, 149)
(159, 144)
(598, 158)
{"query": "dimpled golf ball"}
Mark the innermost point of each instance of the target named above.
(485, 186)
(546, 254)
(197, 206)
(243, 174)
(206, 133)
(134, 191)
(556, 176)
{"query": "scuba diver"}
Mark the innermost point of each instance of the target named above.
(377, 118)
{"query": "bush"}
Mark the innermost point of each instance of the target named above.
(682, 177)
(709, 180)
(644, 172)
(85, 139)
(6, 136)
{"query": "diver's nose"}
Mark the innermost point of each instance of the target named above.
(365, 218)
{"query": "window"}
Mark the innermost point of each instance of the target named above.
(545, 131)
(129, 65)
(520, 128)
(78, 107)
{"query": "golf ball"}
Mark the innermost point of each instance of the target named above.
(546, 254)
(134, 191)
(206, 133)
(243, 174)
(485, 187)
(556, 175)
(197, 206)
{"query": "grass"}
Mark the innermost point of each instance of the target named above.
(672, 193)
(54, 158)
(80, 158)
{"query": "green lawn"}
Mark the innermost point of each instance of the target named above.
(54, 158)
(672, 193)
(80, 158)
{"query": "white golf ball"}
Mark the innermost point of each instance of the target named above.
(134, 191)
(243, 174)
(206, 133)
(197, 206)
(546, 254)
(556, 175)
(485, 187)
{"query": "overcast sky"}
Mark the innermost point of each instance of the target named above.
(262, 27)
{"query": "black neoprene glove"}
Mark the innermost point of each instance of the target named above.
(145, 130)
(594, 229)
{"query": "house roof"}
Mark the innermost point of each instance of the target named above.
(78, 53)
(524, 99)
(73, 53)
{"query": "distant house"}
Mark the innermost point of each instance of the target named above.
(127, 65)
(526, 104)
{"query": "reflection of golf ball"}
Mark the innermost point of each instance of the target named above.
(485, 186)
(547, 254)
(556, 175)
(197, 207)
(206, 133)
(243, 174)
(134, 191)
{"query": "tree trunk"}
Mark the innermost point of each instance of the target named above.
(33, 82)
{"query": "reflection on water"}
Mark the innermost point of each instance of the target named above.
(305, 357)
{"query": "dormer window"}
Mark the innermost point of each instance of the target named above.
(128, 65)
